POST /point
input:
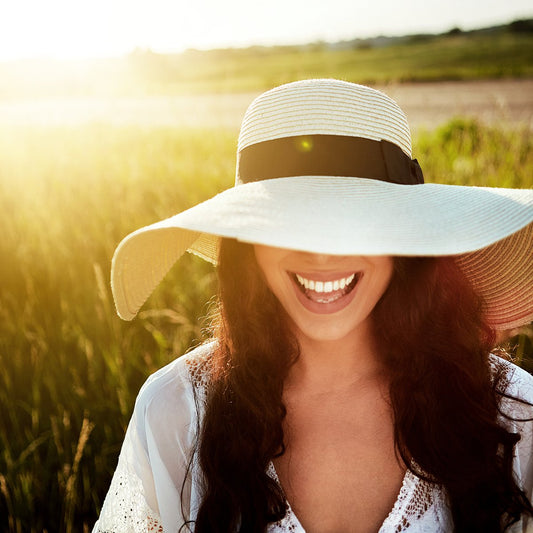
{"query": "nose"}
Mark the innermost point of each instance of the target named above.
(320, 259)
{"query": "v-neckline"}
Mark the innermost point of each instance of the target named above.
(409, 483)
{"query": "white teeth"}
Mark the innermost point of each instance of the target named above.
(325, 286)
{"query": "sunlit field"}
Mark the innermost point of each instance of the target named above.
(70, 368)
(503, 52)
(91, 150)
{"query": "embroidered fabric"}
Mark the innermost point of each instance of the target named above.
(125, 509)
(418, 501)
(200, 373)
(146, 491)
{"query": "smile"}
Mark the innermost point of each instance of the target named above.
(329, 291)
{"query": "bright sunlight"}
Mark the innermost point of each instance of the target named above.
(68, 29)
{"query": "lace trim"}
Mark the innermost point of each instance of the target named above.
(125, 509)
(289, 523)
(415, 499)
(200, 369)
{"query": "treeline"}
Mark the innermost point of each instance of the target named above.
(502, 51)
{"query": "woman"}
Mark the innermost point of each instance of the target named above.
(349, 385)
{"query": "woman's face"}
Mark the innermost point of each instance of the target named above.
(328, 297)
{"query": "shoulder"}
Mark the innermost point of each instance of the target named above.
(516, 410)
(177, 377)
(516, 392)
(156, 453)
(169, 397)
(517, 382)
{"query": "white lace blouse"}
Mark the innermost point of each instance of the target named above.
(145, 493)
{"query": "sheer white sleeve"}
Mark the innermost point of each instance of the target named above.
(520, 385)
(146, 490)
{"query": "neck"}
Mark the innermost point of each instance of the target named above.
(326, 365)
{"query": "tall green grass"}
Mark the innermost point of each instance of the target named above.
(70, 369)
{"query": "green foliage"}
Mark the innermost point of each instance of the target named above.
(463, 151)
(499, 53)
(426, 58)
(70, 368)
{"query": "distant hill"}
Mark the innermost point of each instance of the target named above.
(503, 51)
(522, 26)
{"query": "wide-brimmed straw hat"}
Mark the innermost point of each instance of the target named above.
(325, 166)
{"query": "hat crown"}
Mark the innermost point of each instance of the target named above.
(327, 107)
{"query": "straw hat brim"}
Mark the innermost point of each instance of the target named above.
(490, 230)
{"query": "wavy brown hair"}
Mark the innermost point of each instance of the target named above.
(445, 394)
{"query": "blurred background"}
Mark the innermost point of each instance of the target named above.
(116, 114)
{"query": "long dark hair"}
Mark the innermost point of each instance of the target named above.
(446, 392)
(445, 396)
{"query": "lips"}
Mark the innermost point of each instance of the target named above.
(325, 293)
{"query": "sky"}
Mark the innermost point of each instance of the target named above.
(68, 29)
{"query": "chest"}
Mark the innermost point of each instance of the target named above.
(340, 472)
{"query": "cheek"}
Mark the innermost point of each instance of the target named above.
(277, 286)
(380, 281)
(387, 272)
(264, 257)
(268, 260)
(268, 281)
(263, 269)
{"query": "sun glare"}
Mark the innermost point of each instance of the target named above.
(67, 29)
(61, 29)
(71, 29)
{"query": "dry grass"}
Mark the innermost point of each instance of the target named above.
(70, 368)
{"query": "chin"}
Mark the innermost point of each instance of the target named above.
(334, 332)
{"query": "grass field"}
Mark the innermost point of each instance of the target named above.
(500, 53)
(429, 58)
(70, 368)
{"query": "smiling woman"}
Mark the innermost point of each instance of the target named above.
(360, 282)
(349, 385)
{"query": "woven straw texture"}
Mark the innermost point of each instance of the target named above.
(490, 231)
(324, 107)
